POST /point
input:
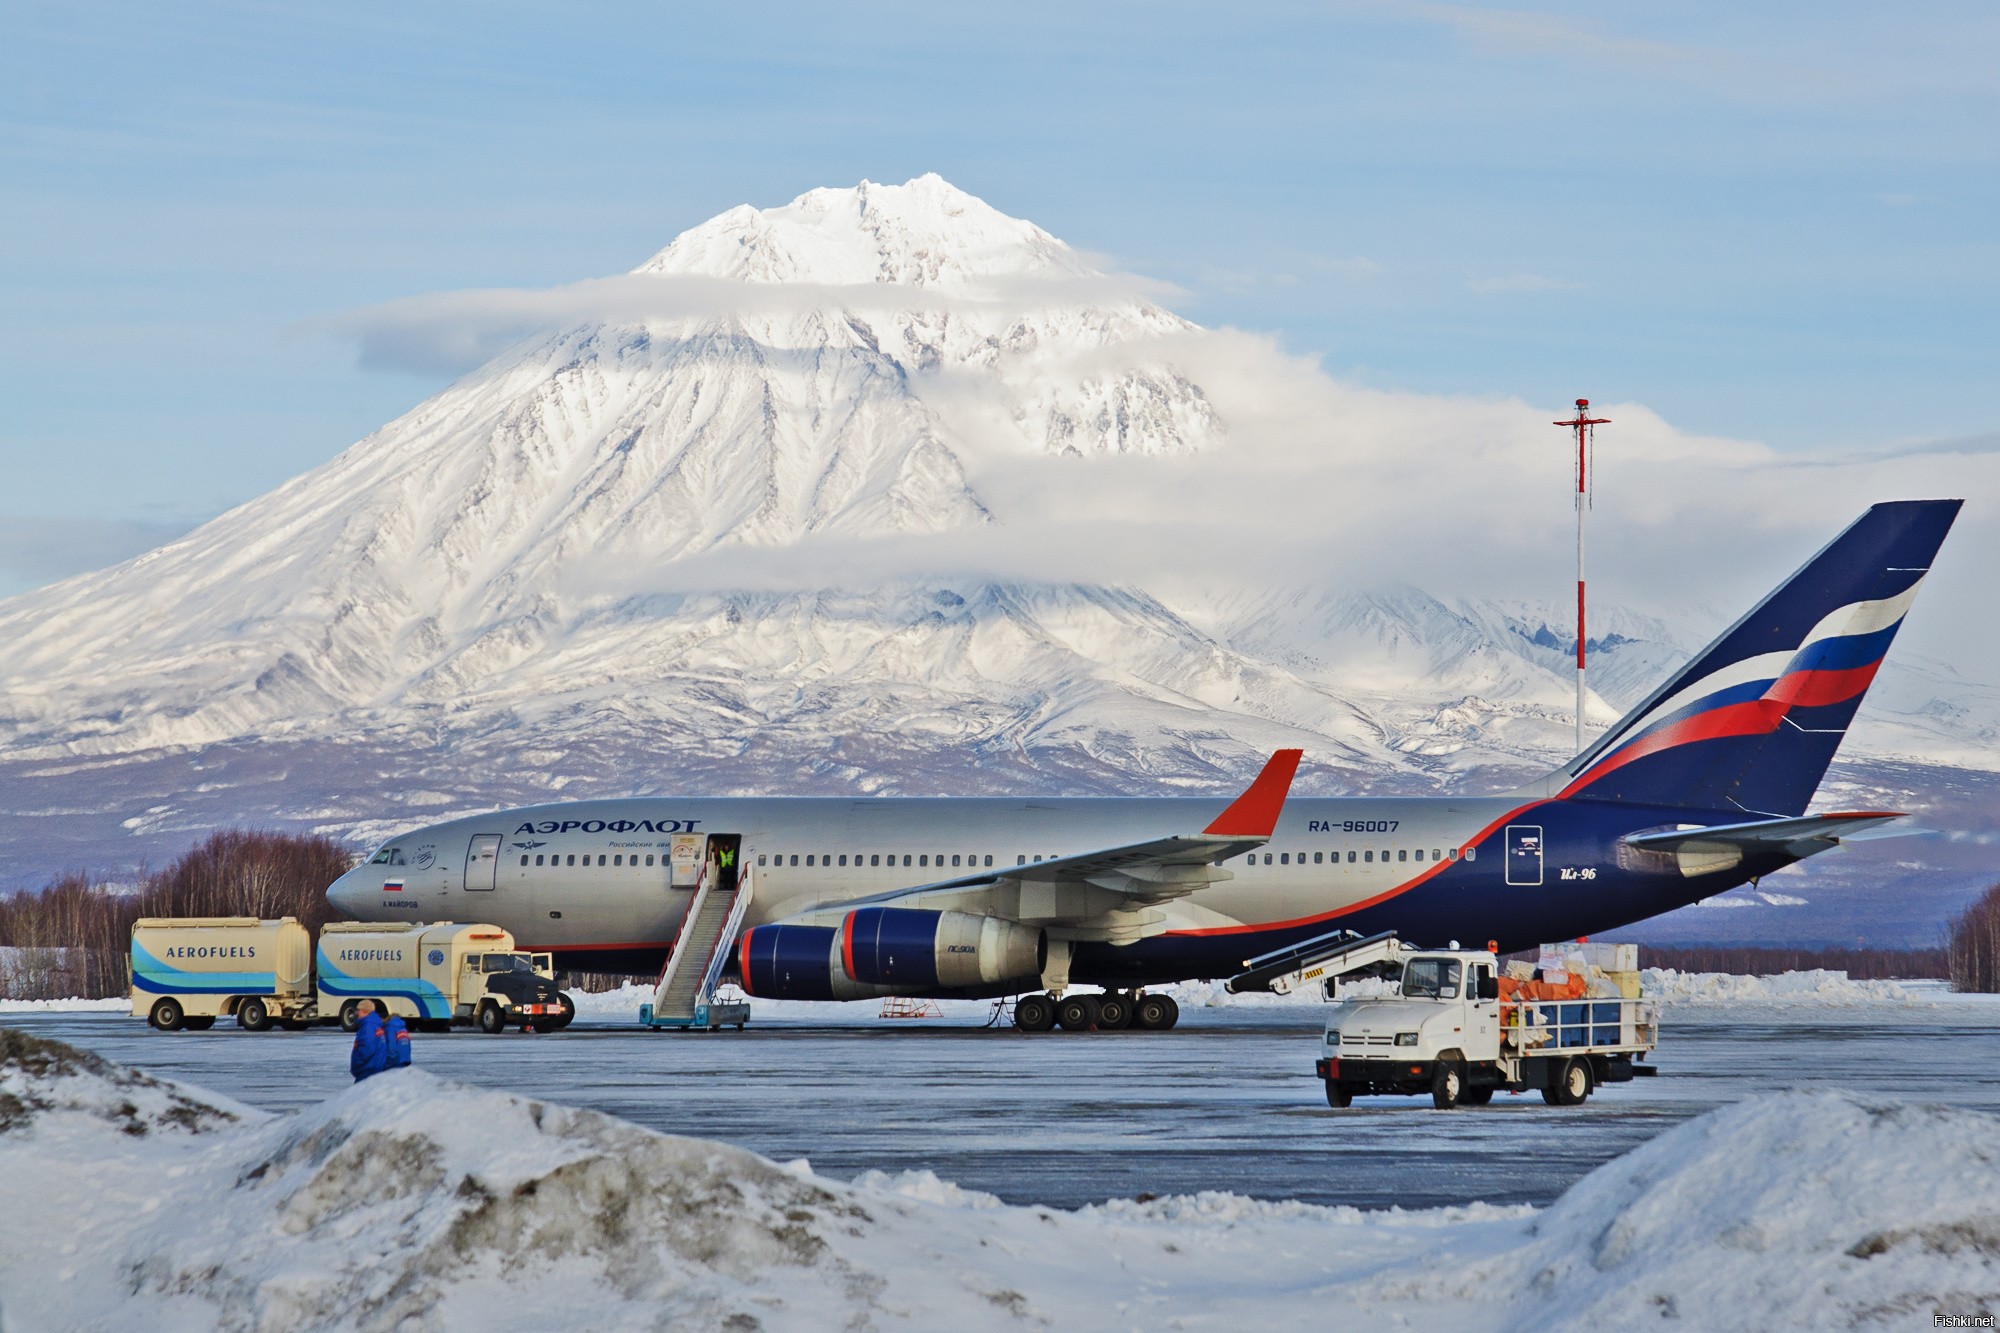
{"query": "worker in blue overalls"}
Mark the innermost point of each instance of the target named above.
(371, 1049)
(396, 1040)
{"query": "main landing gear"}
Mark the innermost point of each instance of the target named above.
(1106, 1012)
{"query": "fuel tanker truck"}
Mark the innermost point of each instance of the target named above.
(438, 975)
(189, 971)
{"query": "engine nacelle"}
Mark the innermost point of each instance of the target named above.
(911, 949)
(787, 962)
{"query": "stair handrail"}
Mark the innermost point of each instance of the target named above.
(680, 944)
(728, 936)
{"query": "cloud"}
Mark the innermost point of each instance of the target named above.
(454, 332)
(1556, 36)
(1325, 485)
(1318, 483)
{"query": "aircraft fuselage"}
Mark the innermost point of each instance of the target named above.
(589, 881)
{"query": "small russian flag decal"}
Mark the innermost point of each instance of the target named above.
(392, 886)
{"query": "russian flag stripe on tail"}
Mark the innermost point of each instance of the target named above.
(1753, 721)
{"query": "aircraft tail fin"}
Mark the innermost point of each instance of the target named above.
(1753, 721)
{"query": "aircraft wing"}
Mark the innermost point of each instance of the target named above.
(1766, 833)
(1103, 894)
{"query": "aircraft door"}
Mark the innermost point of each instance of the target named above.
(482, 863)
(1524, 855)
(723, 850)
(687, 854)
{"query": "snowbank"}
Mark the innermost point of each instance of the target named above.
(404, 1202)
(116, 1004)
(1817, 987)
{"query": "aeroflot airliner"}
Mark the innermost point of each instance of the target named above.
(1702, 787)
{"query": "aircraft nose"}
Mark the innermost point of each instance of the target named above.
(344, 894)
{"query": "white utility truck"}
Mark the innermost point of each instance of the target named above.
(438, 975)
(189, 971)
(1451, 1033)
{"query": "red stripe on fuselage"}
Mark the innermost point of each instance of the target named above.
(1383, 897)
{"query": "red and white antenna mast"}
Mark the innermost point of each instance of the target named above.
(1585, 426)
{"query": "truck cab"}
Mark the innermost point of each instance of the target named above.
(1445, 1024)
(499, 987)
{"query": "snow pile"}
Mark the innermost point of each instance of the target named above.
(41, 1078)
(1793, 1210)
(115, 1004)
(1817, 987)
(410, 1202)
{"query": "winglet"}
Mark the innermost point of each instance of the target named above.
(1254, 814)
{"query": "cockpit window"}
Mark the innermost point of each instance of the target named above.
(388, 856)
(1430, 979)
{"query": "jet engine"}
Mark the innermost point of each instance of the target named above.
(914, 949)
(889, 951)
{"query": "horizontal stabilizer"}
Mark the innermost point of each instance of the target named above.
(1765, 833)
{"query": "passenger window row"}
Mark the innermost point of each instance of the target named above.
(826, 860)
(1363, 857)
(616, 859)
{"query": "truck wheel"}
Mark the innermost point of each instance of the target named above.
(1447, 1085)
(1475, 1097)
(1114, 1011)
(566, 1017)
(1034, 1013)
(253, 1016)
(491, 1020)
(1572, 1084)
(1338, 1095)
(199, 1024)
(1077, 1013)
(1154, 1013)
(167, 1015)
(350, 1015)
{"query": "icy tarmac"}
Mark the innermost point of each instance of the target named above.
(1225, 1102)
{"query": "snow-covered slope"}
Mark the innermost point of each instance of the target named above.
(410, 1202)
(724, 519)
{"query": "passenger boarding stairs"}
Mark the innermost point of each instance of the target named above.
(685, 996)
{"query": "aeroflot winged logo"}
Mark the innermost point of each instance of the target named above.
(609, 826)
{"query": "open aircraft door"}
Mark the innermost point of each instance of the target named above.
(688, 850)
(482, 862)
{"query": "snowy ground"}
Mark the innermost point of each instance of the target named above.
(410, 1202)
(1225, 1102)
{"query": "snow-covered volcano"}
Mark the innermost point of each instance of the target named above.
(720, 528)
(505, 555)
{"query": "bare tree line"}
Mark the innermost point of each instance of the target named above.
(74, 936)
(1975, 945)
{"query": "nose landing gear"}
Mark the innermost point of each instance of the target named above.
(1110, 1011)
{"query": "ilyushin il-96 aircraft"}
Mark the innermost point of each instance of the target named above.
(1701, 787)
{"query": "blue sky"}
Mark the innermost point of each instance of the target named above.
(1772, 222)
